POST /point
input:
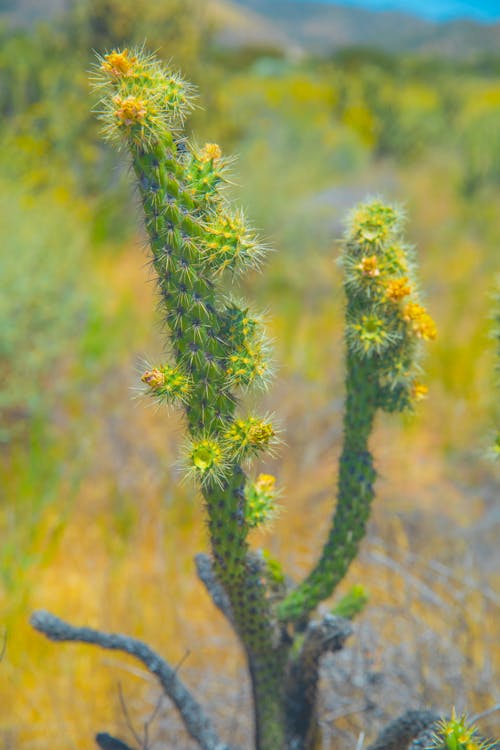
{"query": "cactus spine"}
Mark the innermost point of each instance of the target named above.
(218, 348)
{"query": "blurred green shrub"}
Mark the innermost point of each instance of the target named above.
(42, 305)
(480, 150)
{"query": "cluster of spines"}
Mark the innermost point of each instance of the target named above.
(386, 321)
(260, 500)
(456, 733)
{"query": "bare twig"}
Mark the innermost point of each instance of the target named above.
(150, 720)
(426, 592)
(107, 742)
(126, 714)
(321, 637)
(481, 715)
(196, 722)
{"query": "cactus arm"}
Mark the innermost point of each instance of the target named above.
(355, 494)
(323, 636)
(385, 325)
(195, 237)
(205, 571)
(195, 720)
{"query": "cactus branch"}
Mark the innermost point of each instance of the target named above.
(195, 237)
(323, 636)
(193, 716)
(205, 571)
(385, 325)
(400, 732)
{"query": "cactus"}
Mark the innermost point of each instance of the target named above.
(218, 350)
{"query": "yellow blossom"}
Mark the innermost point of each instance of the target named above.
(130, 110)
(118, 63)
(419, 391)
(421, 322)
(397, 289)
(211, 152)
(155, 378)
(369, 266)
(265, 483)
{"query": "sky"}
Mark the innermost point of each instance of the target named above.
(436, 10)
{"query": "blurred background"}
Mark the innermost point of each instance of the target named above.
(324, 105)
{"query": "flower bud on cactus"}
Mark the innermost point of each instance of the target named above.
(167, 383)
(352, 604)
(260, 500)
(457, 734)
(248, 437)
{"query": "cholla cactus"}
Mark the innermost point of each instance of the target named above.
(219, 350)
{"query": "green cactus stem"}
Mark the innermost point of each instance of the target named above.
(385, 328)
(216, 346)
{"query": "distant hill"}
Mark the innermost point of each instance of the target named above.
(324, 28)
(317, 27)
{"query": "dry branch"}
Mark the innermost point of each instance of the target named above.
(194, 718)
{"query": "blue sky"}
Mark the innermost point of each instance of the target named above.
(437, 10)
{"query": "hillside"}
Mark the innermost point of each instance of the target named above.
(321, 28)
(313, 27)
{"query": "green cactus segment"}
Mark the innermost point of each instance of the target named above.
(167, 383)
(457, 734)
(354, 496)
(248, 437)
(205, 171)
(231, 244)
(215, 346)
(352, 604)
(260, 505)
(386, 322)
(385, 328)
(248, 361)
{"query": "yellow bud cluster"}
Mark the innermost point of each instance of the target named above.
(167, 383)
(421, 322)
(129, 110)
(456, 734)
(260, 500)
(369, 266)
(251, 435)
(397, 289)
(155, 378)
(211, 152)
(419, 391)
(266, 483)
(119, 64)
